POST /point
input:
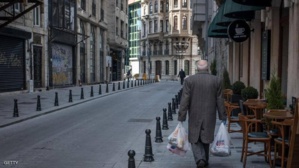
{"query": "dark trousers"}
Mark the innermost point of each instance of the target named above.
(200, 151)
(182, 81)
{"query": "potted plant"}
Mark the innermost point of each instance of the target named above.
(249, 93)
(237, 88)
(273, 93)
(226, 80)
(213, 67)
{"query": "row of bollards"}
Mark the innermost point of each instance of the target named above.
(149, 156)
(56, 101)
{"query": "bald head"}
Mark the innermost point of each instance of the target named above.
(202, 65)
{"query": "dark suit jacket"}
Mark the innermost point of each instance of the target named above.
(202, 98)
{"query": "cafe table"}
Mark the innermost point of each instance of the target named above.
(257, 106)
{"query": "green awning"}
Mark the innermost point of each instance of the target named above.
(217, 31)
(220, 19)
(238, 11)
(254, 2)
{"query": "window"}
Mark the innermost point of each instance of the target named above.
(63, 14)
(122, 5)
(186, 66)
(167, 67)
(156, 26)
(161, 25)
(184, 23)
(116, 3)
(144, 29)
(175, 66)
(122, 29)
(161, 7)
(36, 16)
(83, 4)
(166, 25)
(150, 27)
(156, 6)
(144, 10)
(17, 7)
(167, 6)
(93, 8)
(175, 3)
(116, 26)
(184, 3)
(151, 8)
(175, 23)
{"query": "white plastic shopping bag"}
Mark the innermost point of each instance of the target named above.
(178, 141)
(221, 144)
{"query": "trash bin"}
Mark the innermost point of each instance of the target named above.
(30, 86)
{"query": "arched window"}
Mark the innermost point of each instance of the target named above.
(156, 6)
(184, 22)
(166, 67)
(175, 23)
(167, 6)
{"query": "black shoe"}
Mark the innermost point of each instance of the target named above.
(201, 163)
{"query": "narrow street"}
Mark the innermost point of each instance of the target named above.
(93, 134)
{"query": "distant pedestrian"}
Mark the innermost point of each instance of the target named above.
(201, 99)
(182, 76)
(129, 74)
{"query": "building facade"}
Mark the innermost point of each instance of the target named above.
(134, 35)
(117, 37)
(167, 43)
(23, 45)
(91, 50)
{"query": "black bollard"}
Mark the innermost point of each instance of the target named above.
(91, 91)
(135, 83)
(118, 86)
(165, 123)
(158, 137)
(56, 99)
(131, 162)
(100, 89)
(38, 106)
(107, 88)
(138, 82)
(82, 93)
(128, 84)
(173, 106)
(148, 156)
(124, 84)
(70, 96)
(131, 83)
(113, 87)
(15, 109)
(169, 112)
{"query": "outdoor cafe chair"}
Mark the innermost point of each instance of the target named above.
(282, 140)
(252, 136)
(229, 107)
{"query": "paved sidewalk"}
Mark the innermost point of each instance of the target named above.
(27, 102)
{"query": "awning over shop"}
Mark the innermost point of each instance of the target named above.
(220, 19)
(254, 2)
(238, 11)
(217, 31)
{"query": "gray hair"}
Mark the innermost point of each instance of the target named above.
(202, 65)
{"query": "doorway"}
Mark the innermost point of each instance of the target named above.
(158, 68)
(37, 56)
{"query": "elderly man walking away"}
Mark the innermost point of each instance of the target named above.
(182, 75)
(201, 98)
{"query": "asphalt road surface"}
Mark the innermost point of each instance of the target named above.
(96, 134)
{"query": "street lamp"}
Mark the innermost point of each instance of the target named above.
(180, 44)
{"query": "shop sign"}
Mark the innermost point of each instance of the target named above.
(238, 31)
